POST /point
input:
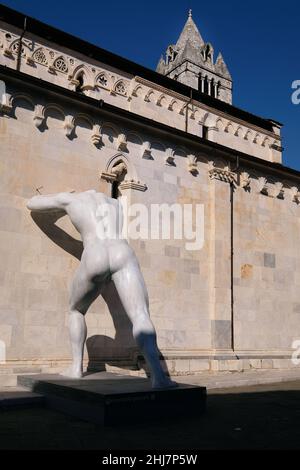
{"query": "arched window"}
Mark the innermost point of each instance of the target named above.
(80, 84)
(200, 82)
(206, 85)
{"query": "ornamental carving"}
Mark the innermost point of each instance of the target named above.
(40, 57)
(61, 65)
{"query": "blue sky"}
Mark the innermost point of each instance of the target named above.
(259, 40)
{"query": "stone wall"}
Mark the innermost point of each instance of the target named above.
(190, 291)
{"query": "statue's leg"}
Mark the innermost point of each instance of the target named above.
(82, 294)
(132, 291)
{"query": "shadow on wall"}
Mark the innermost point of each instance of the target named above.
(103, 350)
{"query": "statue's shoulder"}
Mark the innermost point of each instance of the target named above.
(102, 197)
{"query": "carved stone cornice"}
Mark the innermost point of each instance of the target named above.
(131, 184)
(108, 177)
(222, 174)
(275, 189)
(161, 89)
(245, 180)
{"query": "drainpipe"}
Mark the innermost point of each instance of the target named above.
(20, 44)
(236, 169)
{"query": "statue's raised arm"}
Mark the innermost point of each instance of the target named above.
(50, 202)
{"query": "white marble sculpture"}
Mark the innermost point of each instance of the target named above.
(106, 255)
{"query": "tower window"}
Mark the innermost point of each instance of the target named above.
(206, 85)
(200, 82)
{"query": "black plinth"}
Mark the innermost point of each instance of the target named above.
(106, 398)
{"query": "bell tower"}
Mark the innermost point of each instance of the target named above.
(191, 61)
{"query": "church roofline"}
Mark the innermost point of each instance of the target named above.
(210, 147)
(43, 30)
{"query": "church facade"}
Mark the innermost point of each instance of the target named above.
(72, 115)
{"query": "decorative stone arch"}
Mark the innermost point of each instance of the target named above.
(239, 132)
(13, 102)
(182, 109)
(122, 175)
(21, 96)
(229, 128)
(40, 56)
(220, 125)
(155, 144)
(81, 77)
(60, 64)
(111, 125)
(136, 136)
(257, 139)
(220, 163)
(121, 158)
(83, 127)
(103, 80)
(150, 94)
(266, 142)
(84, 117)
(114, 135)
(137, 91)
(14, 48)
(173, 106)
(121, 87)
(45, 112)
(181, 151)
(162, 100)
(196, 115)
(201, 158)
(248, 135)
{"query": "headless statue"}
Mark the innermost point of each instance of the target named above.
(106, 255)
